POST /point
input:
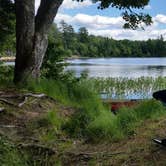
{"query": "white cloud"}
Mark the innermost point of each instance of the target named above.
(70, 4)
(112, 26)
(120, 34)
(148, 7)
(96, 22)
(160, 18)
(67, 18)
(37, 3)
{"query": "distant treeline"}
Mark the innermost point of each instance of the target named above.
(85, 45)
(64, 41)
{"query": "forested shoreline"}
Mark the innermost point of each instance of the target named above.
(65, 41)
(83, 44)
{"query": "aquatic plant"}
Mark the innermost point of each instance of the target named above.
(119, 88)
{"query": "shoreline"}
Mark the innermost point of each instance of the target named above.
(7, 59)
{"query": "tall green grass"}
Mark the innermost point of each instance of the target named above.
(76, 94)
(124, 124)
(92, 120)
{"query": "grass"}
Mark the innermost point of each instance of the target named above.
(124, 124)
(9, 154)
(77, 95)
(48, 127)
(92, 120)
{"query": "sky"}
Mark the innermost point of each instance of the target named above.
(108, 22)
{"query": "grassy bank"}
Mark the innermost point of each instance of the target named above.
(46, 132)
(74, 116)
(93, 120)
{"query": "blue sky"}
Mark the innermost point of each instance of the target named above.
(108, 22)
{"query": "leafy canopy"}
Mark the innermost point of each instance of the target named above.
(7, 18)
(7, 25)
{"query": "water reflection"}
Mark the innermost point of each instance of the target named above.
(119, 67)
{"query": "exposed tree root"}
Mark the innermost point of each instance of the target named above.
(23, 102)
(24, 97)
(8, 102)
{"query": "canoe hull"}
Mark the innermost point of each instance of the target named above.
(115, 105)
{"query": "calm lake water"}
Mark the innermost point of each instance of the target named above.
(119, 67)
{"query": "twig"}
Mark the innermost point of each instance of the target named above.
(35, 95)
(8, 102)
(8, 126)
(23, 95)
(23, 102)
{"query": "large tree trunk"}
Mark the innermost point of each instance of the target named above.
(31, 36)
(25, 29)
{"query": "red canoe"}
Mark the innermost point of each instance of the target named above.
(115, 105)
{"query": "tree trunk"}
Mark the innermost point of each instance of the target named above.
(31, 36)
(25, 28)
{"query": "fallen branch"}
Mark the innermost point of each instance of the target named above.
(4, 98)
(35, 95)
(8, 126)
(8, 102)
(23, 102)
(22, 95)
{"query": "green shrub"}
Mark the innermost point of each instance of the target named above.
(6, 75)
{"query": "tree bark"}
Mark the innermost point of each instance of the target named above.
(25, 28)
(31, 36)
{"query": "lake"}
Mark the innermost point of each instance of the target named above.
(119, 67)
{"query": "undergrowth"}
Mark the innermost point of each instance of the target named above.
(9, 154)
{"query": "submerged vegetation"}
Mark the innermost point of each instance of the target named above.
(120, 88)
